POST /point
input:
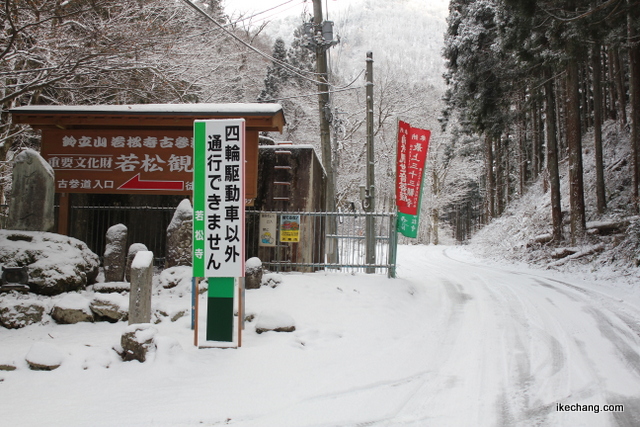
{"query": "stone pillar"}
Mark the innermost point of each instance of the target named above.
(141, 283)
(253, 273)
(33, 191)
(115, 253)
(133, 250)
(179, 236)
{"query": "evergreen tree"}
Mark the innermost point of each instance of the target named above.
(475, 75)
(300, 57)
(215, 9)
(277, 73)
(501, 54)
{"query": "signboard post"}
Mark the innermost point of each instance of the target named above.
(218, 223)
(413, 144)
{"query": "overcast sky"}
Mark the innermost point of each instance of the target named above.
(274, 9)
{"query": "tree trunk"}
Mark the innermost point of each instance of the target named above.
(536, 158)
(491, 182)
(597, 127)
(618, 79)
(435, 220)
(522, 150)
(585, 98)
(552, 157)
(500, 185)
(574, 145)
(634, 99)
(608, 88)
(561, 90)
(435, 211)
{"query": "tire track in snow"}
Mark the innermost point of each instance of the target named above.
(459, 371)
(617, 329)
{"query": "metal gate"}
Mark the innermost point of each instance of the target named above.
(328, 241)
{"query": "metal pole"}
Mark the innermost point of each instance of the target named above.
(371, 201)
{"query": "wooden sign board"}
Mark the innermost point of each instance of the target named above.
(143, 161)
(130, 161)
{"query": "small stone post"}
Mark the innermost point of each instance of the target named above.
(115, 253)
(33, 190)
(141, 283)
(133, 250)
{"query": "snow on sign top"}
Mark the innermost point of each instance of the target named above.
(221, 109)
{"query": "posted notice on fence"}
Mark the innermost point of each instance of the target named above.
(290, 228)
(268, 229)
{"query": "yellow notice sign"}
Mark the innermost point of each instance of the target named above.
(290, 228)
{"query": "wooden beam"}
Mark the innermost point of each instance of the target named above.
(63, 214)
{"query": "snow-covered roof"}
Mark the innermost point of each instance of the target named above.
(208, 109)
(259, 117)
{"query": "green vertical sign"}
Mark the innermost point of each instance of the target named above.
(220, 309)
(199, 182)
(408, 224)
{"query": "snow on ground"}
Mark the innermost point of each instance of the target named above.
(454, 341)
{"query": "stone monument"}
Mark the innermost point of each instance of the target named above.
(179, 236)
(33, 191)
(115, 253)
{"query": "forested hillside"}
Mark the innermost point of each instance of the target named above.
(547, 88)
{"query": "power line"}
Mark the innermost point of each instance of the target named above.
(340, 89)
(313, 94)
(288, 67)
(241, 18)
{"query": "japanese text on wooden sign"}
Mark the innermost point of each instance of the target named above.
(218, 198)
(120, 161)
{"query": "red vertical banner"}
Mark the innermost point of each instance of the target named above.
(413, 144)
(401, 165)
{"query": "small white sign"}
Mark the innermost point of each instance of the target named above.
(268, 229)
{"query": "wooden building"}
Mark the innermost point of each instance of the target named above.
(133, 160)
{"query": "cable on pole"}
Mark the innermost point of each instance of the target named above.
(288, 67)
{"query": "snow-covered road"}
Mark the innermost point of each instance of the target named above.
(451, 342)
(504, 347)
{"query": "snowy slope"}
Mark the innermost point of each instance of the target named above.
(511, 235)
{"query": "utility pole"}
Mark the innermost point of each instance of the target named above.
(323, 89)
(370, 201)
(321, 46)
